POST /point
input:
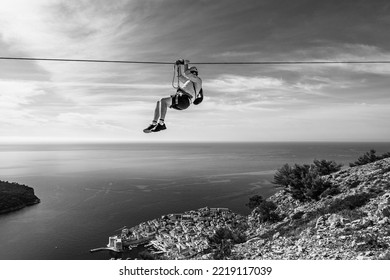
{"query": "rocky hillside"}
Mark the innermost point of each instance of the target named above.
(14, 196)
(352, 224)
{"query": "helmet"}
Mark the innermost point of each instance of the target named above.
(193, 69)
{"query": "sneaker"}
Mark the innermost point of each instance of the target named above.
(149, 128)
(159, 127)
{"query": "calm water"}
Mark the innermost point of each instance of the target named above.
(88, 192)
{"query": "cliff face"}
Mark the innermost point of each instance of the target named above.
(14, 196)
(353, 224)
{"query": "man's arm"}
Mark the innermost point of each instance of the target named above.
(186, 65)
(188, 75)
(183, 77)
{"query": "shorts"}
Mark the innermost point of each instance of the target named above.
(180, 102)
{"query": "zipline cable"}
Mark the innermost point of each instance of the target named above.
(84, 60)
(199, 63)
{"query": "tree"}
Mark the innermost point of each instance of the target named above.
(324, 167)
(369, 157)
(304, 182)
(254, 201)
(266, 212)
(283, 176)
(222, 242)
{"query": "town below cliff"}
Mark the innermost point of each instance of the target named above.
(14, 196)
(344, 214)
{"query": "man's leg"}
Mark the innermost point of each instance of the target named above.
(164, 104)
(156, 112)
(155, 118)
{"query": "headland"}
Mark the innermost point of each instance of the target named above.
(14, 196)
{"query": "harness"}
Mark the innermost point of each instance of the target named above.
(180, 93)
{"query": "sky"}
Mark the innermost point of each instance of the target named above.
(45, 101)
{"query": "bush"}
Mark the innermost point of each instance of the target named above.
(304, 182)
(266, 212)
(370, 241)
(283, 176)
(349, 203)
(332, 191)
(353, 184)
(315, 186)
(324, 167)
(352, 214)
(254, 201)
(384, 256)
(368, 158)
(297, 215)
(222, 242)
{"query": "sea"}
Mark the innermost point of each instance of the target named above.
(89, 192)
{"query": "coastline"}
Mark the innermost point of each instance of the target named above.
(103, 198)
(176, 236)
(349, 224)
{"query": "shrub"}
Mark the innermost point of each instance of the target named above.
(384, 256)
(332, 191)
(266, 212)
(297, 215)
(283, 176)
(254, 201)
(315, 186)
(222, 242)
(386, 212)
(304, 182)
(349, 203)
(324, 167)
(353, 184)
(370, 241)
(352, 214)
(369, 157)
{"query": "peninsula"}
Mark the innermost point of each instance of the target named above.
(14, 196)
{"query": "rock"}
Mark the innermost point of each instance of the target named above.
(384, 211)
(366, 223)
(384, 221)
(321, 229)
(368, 253)
(279, 252)
(320, 221)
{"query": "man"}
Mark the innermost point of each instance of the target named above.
(191, 87)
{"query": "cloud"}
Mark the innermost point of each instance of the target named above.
(235, 54)
(237, 83)
(75, 99)
(339, 52)
(14, 94)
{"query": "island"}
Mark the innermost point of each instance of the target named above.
(14, 196)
